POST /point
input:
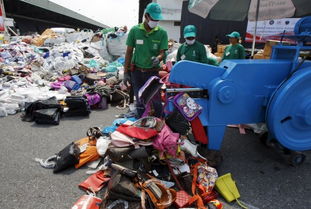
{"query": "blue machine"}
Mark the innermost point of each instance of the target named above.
(276, 92)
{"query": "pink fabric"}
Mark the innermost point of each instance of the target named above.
(56, 85)
(121, 140)
(93, 99)
(64, 78)
(166, 141)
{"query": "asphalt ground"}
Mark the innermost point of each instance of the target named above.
(263, 178)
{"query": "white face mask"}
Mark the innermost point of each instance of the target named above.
(153, 24)
(190, 42)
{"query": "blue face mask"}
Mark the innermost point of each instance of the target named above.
(153, 24)
(190, 42)
(120, 34)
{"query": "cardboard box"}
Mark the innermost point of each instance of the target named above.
(261, 56)
(267, 57)
(221, 48)
(267, 50)
(217, 54)
(269, 44)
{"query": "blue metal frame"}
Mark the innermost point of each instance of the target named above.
(242, 91)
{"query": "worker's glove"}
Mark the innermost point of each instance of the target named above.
(127, 79)
(155, 61)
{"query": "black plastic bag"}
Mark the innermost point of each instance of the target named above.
(30, 108)
(47, 116)
(67, 158)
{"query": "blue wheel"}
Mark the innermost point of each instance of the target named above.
(289, 112)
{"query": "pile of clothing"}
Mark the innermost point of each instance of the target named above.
(61, 63)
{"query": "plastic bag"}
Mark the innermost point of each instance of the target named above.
(88, 202)
(101, 48)
(201, 7)
(117, 46)
(102, 144)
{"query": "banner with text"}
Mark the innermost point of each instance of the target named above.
(271, 29)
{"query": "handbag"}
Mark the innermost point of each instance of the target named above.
(76, 79)
(47, 116)
(187, 106)
(166, 141)
(203, 182)
(185, 180)
(119, 154)
(177, 122)
(149, 89)
(89, 201)
(78, 106)
(95, 182)
(119, 139)
(161, 196)
(30, 108)
(92, 99)
(121, 187)
(71, 85)
(198, 131)
(67, 157)
(146, 122)
(182, 197)
(137, 132)
(88, 152)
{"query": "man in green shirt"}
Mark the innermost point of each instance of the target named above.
(234, 50)
(192, 49)
(146, 46)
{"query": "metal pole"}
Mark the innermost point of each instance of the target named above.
(255, 30)
(183, 90)
(12, 31)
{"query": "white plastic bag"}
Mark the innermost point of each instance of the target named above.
(53, 41)
(3, 112)
(102, 145)
(79, 36)
(117, 46)
(201, 7)
(101, 48)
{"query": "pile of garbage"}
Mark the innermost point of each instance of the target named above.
(59, 63)
(143, 163)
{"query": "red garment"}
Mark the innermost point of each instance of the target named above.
(198, 131)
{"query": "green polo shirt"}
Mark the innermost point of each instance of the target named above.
(236, 51)
(146, 45)
(195, 52)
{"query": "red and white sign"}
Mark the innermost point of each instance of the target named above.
(271, 29)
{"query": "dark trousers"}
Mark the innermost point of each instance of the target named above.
(138, 80)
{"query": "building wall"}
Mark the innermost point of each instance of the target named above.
(171, 10)
(173, 32)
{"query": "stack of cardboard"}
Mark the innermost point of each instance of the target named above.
(261, 55)
(267, 50)
(220, 50)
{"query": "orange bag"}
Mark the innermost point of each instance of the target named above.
(87, 202)
(88, 151)
(95, 182)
